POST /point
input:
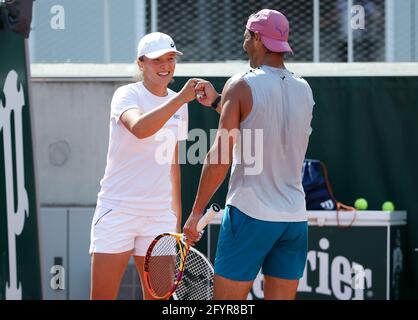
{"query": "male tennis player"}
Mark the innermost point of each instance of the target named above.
(265, 219)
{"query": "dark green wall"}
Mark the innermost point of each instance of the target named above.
(12, 57)
(366, 131)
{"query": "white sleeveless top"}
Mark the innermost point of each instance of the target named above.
(266, 176)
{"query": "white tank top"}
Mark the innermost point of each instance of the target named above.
(266, 183)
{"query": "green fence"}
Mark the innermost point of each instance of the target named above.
(366, 131)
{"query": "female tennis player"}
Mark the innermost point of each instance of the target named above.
(140, 193)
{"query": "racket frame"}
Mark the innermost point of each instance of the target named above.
(184, 246)
(184, 250)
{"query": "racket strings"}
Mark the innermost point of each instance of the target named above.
(197, 280)
(164, 265)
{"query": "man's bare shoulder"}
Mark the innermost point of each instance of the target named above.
(237, 85)
(238, 93)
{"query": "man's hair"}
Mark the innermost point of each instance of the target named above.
(252, 34)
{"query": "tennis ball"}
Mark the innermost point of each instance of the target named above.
(388, 206)
(361, 204)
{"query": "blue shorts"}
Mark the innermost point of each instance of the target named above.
(246, 245)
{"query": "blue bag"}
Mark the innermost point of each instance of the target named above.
(318, 193)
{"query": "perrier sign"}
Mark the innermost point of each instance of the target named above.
(19, 249)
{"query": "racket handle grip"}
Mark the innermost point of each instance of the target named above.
(208, 216)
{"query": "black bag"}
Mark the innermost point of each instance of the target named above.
(315, 183)
(318, 192)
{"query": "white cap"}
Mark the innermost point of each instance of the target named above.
(156, 44)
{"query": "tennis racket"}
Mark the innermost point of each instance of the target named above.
(171, 265)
